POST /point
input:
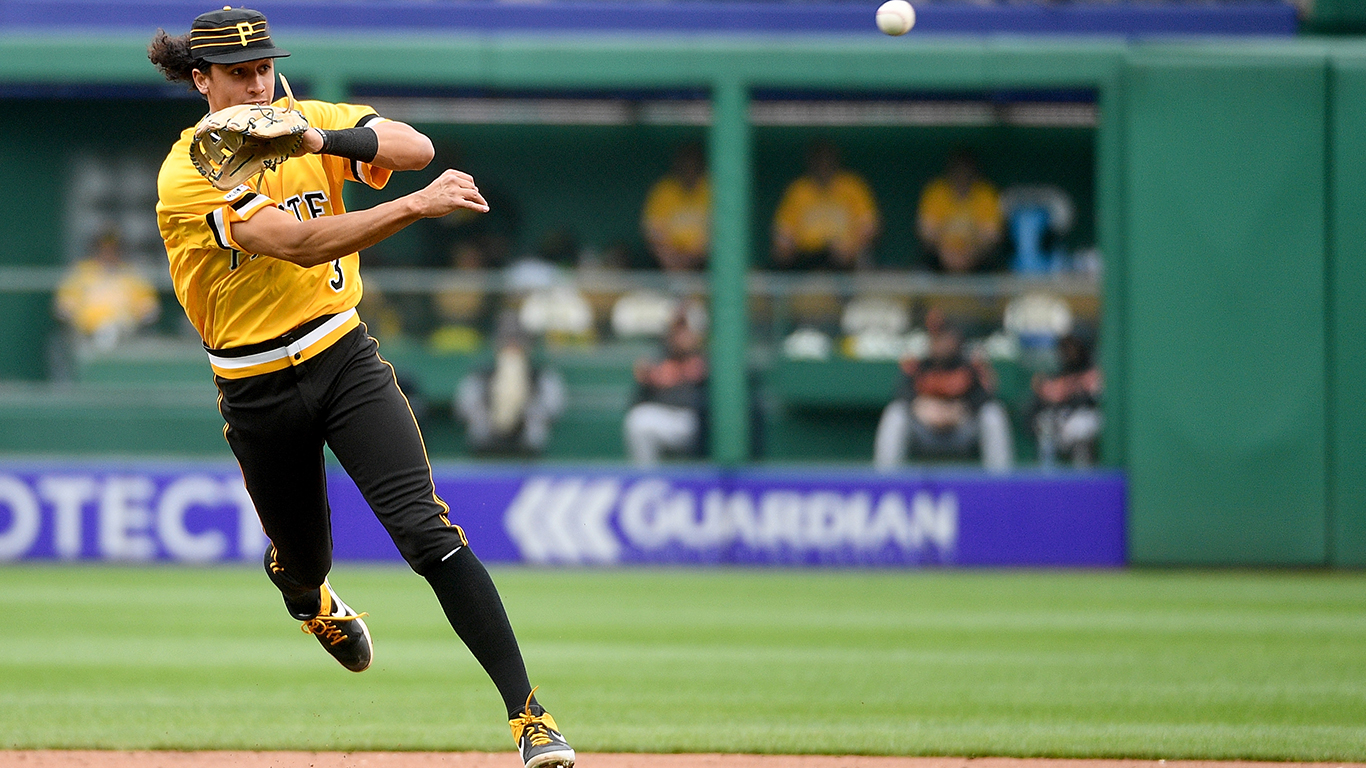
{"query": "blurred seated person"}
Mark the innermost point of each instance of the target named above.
(676, 219)
(1066, 405)
(959, 218)
(105, 299)
(462, 312)
(509, 406)
(827, 218)
(945, 408)
(671, 399)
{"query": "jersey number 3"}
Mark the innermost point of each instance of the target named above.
(338, 280)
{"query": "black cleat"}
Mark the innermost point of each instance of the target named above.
(540, 740)
(341, 632)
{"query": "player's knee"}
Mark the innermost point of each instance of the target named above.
(427, 549)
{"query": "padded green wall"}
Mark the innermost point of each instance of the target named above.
(1347, 308)
(1226, 324)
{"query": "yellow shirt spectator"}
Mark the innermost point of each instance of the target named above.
(106, 299)
(677, 222)
(839, 218)
(960, 217)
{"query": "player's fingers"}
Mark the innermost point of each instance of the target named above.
(454, 179)
(475, 201)
(473, 205)
(457, 185)
(464, 197)
(459, 188)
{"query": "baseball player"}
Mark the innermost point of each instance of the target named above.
(268, 273)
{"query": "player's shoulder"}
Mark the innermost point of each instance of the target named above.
(180, 150)
(176, 168)
(326, 114)
(179, 185)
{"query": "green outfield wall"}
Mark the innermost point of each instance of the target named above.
(1346, 316)
(1226, 322)
(1225, 183)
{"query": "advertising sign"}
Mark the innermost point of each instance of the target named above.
(563, 516)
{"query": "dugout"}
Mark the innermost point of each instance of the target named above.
(1228, 189)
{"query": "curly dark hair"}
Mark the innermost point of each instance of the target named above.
(172, 57)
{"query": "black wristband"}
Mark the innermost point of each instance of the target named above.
(351, 143)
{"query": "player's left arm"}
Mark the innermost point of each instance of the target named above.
(401, 147)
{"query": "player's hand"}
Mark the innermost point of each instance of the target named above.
(313, 141)
(450, 191)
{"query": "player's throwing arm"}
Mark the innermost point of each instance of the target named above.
(312, 242)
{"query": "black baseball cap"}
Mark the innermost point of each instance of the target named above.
(232, 36)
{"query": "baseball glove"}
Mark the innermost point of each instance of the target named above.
(234, 144)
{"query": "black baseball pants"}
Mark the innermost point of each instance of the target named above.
(348, 398)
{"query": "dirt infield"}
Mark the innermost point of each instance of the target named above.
(101, 759)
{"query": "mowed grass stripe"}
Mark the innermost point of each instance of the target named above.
(1077, 664)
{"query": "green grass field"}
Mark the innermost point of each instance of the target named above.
(1134, 664)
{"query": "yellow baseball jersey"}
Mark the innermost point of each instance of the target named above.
(236, 299)
(95, 295)
(683, 215)
(819, 217)
(960, 219)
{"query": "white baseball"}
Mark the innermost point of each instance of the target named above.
(895, 17)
